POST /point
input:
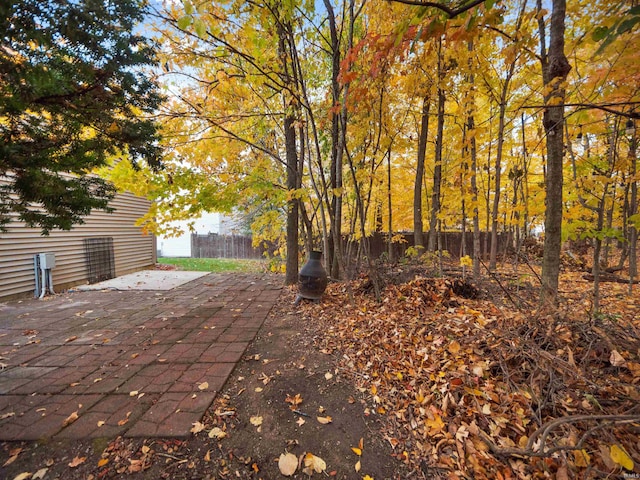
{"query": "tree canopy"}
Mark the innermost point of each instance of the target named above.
(73, 94)
(378, 116)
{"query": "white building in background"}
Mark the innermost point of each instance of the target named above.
(180, 246)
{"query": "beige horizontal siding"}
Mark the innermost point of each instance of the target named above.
(133, 250)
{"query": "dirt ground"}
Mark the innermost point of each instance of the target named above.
(273, 403)
(437, 379)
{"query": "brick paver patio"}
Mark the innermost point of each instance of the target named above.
(137, 363)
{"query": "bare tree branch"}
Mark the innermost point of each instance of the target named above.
(543, 432)
(451, 12)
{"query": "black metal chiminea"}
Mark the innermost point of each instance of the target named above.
(312, 279)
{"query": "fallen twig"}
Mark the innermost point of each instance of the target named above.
(543, 432)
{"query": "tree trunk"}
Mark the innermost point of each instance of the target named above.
(390, 208)
(437, 169)
(555, 69)
(500, 147)
(335, 243)
(525, 179)
(417, 187)
(473, 152)
(293, 176)
(633, 210)
(498, 167)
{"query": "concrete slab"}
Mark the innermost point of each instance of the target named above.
(146, 280)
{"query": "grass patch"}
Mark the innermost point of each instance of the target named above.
(216, 265)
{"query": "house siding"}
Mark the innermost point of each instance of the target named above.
(132, 249)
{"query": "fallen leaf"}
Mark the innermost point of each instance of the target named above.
(133, 393)
(203, 386)
(145, 449)
(217, 433)
(135, 466)
(300, 421)
(314, 464)
(256, 421)
(435, 425)
(13, 456)
(23, 476)
(356, 450)
(207, 456)
(258, 389)
(328, 376)
(7, 415)
(562, 473)
(39, 475)
(102, 462)
(77, 461)
(325, 420)
(70, 419)
(621, 457)
(616, 359)
(581, 458)
(634, 368)
(101, 423)
(294, 401)
(454, 347)
(71, 339)
(288, 464)
(358, 466)
(197, 427)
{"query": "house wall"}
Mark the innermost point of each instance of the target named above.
(133, 250)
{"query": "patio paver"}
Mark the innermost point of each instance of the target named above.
(133, 362)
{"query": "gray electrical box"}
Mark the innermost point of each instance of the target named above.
(43, 263)
(47, 260)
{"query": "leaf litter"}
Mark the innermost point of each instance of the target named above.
(468, 388)
(463, 387)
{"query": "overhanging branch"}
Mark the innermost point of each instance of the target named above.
(451, 12)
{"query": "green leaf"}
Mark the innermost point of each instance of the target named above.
(188, 7)
(634, 220)
(627, 25)
(599, 33)
(489, 4)
(200, 28)
(184, 22)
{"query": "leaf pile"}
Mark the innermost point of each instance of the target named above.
(470, 390)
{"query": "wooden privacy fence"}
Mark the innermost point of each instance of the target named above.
(451, 242)
(214, 245)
